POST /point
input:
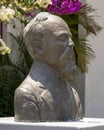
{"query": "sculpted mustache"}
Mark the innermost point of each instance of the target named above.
(67, 56)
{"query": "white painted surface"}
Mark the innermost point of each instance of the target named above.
(84, 124)
(94, 91)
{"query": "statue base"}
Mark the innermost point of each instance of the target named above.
(83, 124)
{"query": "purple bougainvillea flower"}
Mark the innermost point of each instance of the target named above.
(31, 14)
(27, 14)
(61, 7)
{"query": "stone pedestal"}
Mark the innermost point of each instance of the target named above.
(84, 124)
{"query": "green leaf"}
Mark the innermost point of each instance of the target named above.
(86, 19)
(84, 54)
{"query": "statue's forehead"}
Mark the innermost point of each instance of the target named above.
(56, 23)
(56, 27)
(53, 24)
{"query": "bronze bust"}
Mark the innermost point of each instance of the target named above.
(46, 93)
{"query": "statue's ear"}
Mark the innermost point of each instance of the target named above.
(37, 45)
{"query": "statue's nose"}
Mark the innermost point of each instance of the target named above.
(71, 43)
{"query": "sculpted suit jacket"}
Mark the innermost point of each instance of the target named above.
(46, 98)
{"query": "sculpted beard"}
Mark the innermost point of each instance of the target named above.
(67, 66)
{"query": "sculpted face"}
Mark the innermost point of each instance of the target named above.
(56, 40)
(52, 41)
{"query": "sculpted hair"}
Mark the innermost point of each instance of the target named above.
(35, 26)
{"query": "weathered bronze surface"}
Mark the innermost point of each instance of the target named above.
(46, 93)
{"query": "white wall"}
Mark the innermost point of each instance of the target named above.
(94, 83)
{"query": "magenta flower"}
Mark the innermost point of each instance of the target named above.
(61, 7)
(31, 14)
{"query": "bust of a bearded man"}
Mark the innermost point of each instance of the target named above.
(46, 93)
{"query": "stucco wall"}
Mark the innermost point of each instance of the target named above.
(94, 80)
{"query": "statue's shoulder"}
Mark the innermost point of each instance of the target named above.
(30, 84)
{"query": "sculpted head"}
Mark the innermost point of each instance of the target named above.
(48, 39)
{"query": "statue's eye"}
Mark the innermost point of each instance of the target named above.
(63, 37)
